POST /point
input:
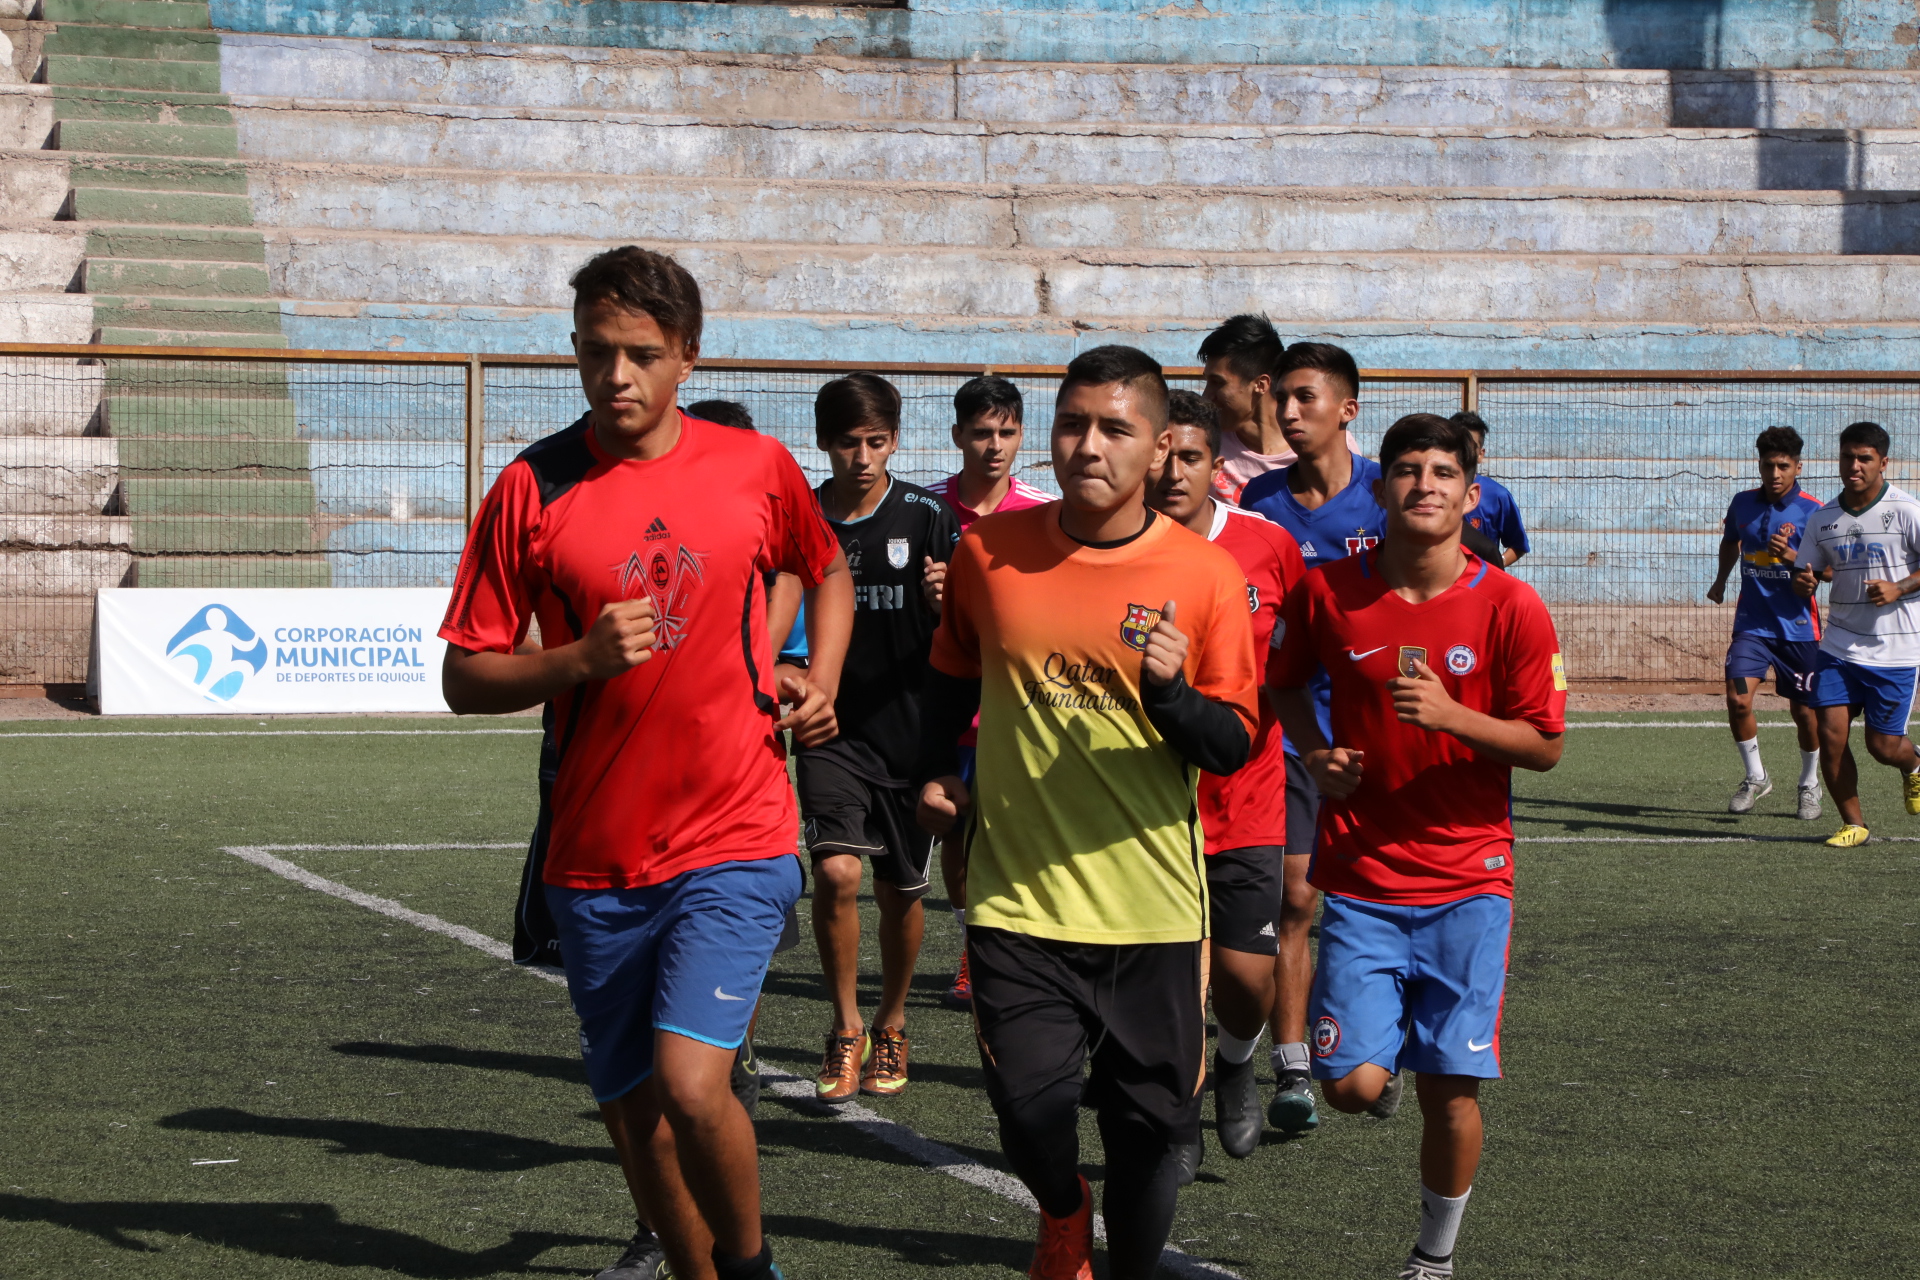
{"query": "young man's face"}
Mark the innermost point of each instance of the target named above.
(1230, 394)
(1178, 486)
(989, 443)
(630, 369)
(1779, 475)
(1104, 444)
(1861, 466)
(859, 455)
(1314, 411)
(1426, 496)
(1479, 445)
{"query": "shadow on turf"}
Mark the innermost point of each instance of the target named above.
(294, 1231)
(912, 1246)
(474, 1149)
(539, 1065)
(1561, 811)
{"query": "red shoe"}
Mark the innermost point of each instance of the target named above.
(1065, 1251)
(960, 994)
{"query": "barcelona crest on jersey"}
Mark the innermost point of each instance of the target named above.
(1138, 626)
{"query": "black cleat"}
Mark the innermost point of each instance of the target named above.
(746, 1076)
(1187, 1155)
(1236, 1107)
(643, 1260)
(1389, 1100)
(1293, 1111)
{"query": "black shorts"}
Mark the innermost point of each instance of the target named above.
(1303, 808)
(1244, 889)
(845, 813)
(1043, 1007)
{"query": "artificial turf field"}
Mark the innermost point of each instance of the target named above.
(1709, 1046)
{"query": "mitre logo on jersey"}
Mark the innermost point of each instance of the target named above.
(897, 552)
(1361, 541)
(1138, 625)
(669, 578)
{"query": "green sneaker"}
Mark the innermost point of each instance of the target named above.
(1292, 1110)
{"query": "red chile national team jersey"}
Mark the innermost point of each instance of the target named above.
(673, 765)
(1249, 807)
(1430, 821)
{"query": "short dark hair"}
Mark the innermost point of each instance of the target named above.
(1779, 440)
(643, 281)
(987, 394)
(1103, 365)
(1333, 361)
(1871, 434)
(1471, 421)
(1419, 432)
(859, 399)
(1189, 409)
(728, 413)
(1248, 342)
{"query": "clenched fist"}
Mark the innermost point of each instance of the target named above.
(1166, 651)
(619, 640)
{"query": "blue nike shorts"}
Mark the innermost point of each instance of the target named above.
(687, 956)
(1410, 988)
(1884, 693)
(1792, 661)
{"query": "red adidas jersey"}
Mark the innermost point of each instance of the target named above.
(1431, 822)
(1250, 807)
(673, 765)
(1020, 496)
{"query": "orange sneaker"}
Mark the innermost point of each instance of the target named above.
(960, 994)
(1065, 1251)
(886, 1070)
(840, 1070)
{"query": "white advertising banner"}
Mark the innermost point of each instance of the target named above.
(239, 651)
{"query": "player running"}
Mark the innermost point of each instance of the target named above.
(1497, 517)
(988, 428)
(1869, 538)
(1244, 816)
(1772, 626)
(1110, 655)
(854, 791)
(1238, 360)
(639, 538)
(1446, 675)
(1326, 501)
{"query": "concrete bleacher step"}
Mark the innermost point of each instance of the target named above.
(554, 141)
(45, 397)
(42, 258)
(235, 570)
(1316, 287)
(26, 115)
(833, 88)
(47, 475)
(33, 186)
(147, 499)
(360, 200)
(46, 317)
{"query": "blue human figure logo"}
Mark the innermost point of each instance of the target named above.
(212, 640)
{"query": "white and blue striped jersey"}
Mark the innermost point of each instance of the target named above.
(1880, 544)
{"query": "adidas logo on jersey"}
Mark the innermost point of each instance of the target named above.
(656, 531)
(1307, 551)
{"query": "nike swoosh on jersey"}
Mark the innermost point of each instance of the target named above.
(718, 994)
(1479, 1047)
(1357, 656)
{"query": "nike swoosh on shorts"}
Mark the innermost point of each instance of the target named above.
(1477, 1048)
(718, 994)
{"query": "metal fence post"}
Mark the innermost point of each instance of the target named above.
(476, 436)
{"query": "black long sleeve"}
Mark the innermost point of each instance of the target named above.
(947, 706)
(1208, 735)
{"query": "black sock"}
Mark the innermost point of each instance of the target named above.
(1427, 1257)
(1041, 1137)
(727, 1267)
(1143, 1185)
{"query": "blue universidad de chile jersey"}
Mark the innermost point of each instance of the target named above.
(1768, 605)
(1347, 523)
(1498, 516)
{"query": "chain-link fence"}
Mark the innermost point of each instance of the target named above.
(123, 468)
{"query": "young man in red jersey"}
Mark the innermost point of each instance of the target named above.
(1245, 815)
(1446, 675)
(988, 429)
(640, 537)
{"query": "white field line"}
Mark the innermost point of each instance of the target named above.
(1699, 839)
(938, 1158)
(271, 733)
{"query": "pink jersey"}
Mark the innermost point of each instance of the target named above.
(1020, 496)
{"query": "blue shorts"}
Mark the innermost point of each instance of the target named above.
(687, 956)
(1410, 988)
(1792, 661)
(968, 759)
(1885, 693)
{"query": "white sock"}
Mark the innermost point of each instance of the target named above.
(1440, 1222)
(1233, 1049)
(1810, 768)
(1750, 755)
(1289, 1057)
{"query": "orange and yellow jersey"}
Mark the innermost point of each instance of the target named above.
(1085, 827)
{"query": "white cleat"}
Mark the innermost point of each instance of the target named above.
(1419, 1268)
(1809, 803)
(1751, 790)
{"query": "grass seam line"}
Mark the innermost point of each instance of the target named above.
(936, 1157)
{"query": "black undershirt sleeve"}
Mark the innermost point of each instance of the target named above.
(1208, 735)
(947, 707)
